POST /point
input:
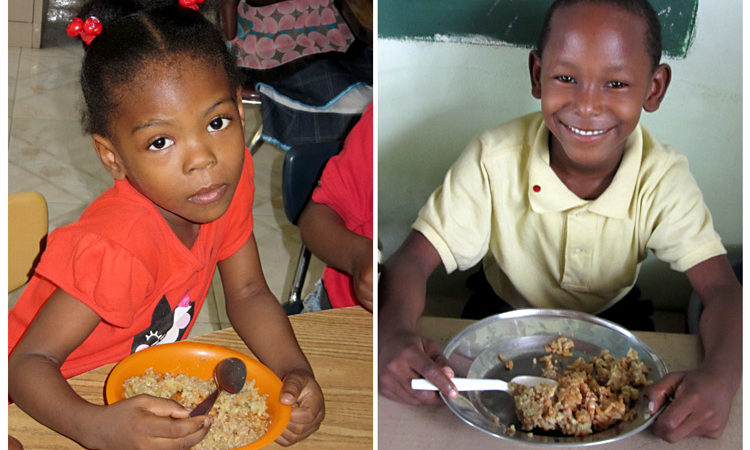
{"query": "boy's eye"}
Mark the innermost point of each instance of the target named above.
(616, 84)
(161, 143)
(565, 78)
(218, 123)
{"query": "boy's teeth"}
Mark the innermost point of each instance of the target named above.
(586, 132)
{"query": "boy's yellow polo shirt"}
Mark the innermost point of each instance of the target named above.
(543, 246)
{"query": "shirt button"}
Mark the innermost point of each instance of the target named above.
(578, 251)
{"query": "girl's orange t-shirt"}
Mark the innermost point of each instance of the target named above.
(123, 261)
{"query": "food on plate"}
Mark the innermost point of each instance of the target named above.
(590, 396)
(560, 346)
(239, 419)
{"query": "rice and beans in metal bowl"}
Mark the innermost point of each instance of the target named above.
(602, 370)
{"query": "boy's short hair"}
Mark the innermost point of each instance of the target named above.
(641, 8)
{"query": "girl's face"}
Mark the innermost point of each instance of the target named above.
(177, 136)
(594, 78)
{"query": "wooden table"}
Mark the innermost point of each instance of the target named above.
(436, 427)
(338, 344)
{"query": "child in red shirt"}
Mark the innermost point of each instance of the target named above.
(162, 105)
(337, 224)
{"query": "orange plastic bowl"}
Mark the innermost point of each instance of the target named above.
(198, 360)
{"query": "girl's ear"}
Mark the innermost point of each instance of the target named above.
(535, 72)
(659, 83)
(109, 157)
(240, 108)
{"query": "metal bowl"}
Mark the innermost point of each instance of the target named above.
(521, 336)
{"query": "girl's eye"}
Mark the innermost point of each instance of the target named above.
(565, 78)
(616, 84)
(161, 143)
(218, 123)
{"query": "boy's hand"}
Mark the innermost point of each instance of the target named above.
(700, 406)
(404, 355)
(303, 394)
(362, 280)
(146, 422)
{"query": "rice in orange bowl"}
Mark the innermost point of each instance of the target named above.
(194, 359)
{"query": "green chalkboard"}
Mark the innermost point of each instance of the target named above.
(514, 22)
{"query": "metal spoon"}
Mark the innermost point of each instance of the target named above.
(483, 384)
(230, 375)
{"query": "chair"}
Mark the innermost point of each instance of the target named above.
(27, 235)
(320, 103)
(302, 168)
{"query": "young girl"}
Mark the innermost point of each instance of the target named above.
(162, 105)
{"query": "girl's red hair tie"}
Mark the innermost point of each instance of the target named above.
(192, 4)
(87, 30)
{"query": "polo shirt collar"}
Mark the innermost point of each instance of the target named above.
(547, 193)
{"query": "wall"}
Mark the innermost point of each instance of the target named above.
(25, 23)
(434, 96)
(513, 22)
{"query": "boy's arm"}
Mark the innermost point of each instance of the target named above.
(262, 324)
(402, 354)
(37, 386)
(325, 234)
(703, 397)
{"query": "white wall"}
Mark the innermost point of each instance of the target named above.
(433, 97)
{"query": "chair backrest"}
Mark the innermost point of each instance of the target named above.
(302, 168)
(28, 224)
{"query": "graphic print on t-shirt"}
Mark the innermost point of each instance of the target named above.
(167, 325)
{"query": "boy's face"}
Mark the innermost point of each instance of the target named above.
(594, 78)
(177, 136)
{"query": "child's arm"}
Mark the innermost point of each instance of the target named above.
(261, 322)
(325, 233)
(703, 397)
(402, 354)
(37, 386)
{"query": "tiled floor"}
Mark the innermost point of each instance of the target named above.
(48, 153)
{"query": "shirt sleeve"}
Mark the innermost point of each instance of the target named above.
(682, 233)
(98, 272)
(346, 182)
(237, 222)
(457, 216)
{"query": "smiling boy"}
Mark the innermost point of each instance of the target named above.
(565, 204)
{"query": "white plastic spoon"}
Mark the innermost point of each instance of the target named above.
(483, 384)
